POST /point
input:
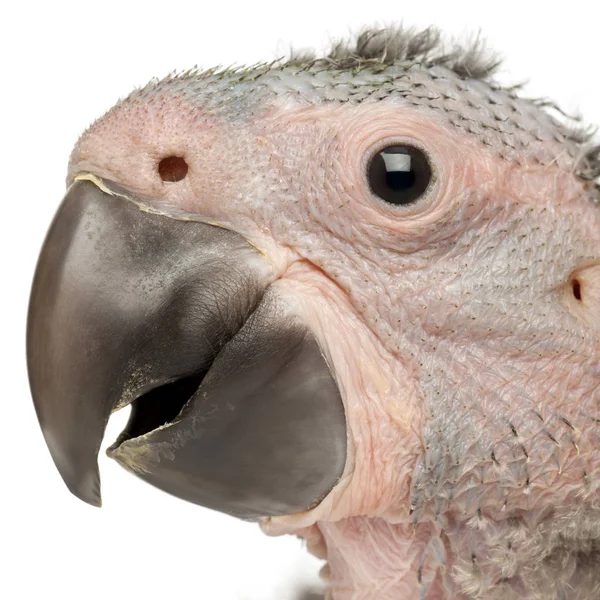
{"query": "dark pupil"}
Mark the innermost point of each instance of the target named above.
(400, 180)
(399, 174)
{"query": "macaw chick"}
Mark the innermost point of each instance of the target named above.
(354, 298)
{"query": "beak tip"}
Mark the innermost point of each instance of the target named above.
(87, 490)
(89, 497)
(82, 476)
(92, 501)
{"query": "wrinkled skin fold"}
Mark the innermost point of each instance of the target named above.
(235, 407)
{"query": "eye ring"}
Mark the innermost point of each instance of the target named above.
(399, 174)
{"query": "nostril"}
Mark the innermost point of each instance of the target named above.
(576, 287)
(172, 168)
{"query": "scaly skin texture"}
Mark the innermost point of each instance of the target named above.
(468, 364)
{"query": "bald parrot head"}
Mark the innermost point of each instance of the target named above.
(353, 297)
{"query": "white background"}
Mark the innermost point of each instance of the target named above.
(64, 64)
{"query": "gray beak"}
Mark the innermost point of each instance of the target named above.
(233, 404)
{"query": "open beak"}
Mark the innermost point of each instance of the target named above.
(233, 404)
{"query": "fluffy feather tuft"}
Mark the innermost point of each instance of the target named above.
(427, 47)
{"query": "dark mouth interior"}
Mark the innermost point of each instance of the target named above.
(159, 407)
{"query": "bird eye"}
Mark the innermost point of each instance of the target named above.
(399, 174)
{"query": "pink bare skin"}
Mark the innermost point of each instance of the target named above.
(462, 329)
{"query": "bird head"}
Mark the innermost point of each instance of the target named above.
(354, 297)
